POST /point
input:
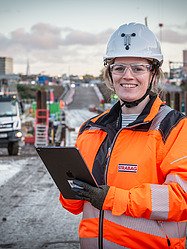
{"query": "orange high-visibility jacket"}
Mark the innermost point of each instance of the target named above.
(145, 165)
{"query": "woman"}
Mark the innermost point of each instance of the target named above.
(136, 152)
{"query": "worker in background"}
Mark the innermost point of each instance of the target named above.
(137, 154)
(60, 135)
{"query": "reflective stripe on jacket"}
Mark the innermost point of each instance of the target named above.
(146, 169)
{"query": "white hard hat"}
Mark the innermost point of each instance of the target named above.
(133, 40)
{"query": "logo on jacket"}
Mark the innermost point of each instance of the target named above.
(124, 167)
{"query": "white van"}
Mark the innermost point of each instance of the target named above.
(10, 123)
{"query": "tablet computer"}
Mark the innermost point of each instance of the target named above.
(65, 164)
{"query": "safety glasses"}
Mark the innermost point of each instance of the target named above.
(136, 69)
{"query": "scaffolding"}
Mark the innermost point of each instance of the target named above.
(41, 127)
(42, 120)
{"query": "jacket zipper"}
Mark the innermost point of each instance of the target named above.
(101, 216)
(101, 213)
(100, 237)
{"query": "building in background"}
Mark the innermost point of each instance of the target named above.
(178, 71)
(6, 65)
(185, 62)
(8, 80)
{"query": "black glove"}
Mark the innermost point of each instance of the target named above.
(94, 195)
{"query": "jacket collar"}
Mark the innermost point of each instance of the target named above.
(146, 116)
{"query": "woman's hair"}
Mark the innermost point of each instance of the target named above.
(157, 82)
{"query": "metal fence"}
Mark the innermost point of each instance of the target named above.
(177, 100)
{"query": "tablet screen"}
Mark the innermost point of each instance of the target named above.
(65, 164)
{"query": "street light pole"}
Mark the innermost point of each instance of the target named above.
(161, 26)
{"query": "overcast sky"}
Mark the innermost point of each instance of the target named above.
(70, 36)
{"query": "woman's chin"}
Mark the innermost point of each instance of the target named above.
(128, 99)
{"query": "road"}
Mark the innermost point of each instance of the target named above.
(83, 97)
(31, 215)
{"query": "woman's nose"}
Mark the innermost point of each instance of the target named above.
(127, 73)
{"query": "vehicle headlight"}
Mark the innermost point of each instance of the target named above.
(18, 134)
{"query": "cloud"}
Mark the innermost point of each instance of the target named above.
(172, 36)
(76, 37)
(4, 42)
(44, 36)
(182, 27)
(61, 46)
(79, 37)
(41, 36)
(175, 34)
(47, 43)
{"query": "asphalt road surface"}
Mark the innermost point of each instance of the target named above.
(83, 97)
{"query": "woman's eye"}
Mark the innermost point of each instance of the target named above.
(119, 69)
(138, 68)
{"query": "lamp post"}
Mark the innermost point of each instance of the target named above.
(160, 25)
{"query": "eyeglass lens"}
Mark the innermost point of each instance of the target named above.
(135, 68)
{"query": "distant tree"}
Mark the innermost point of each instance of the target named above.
(27, 91)
(87, 78)
(101, 76)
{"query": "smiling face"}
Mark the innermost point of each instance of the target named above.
(131, 86)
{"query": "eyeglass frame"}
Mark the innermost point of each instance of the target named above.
(149, 68)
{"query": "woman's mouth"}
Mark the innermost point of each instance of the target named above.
(125, 85)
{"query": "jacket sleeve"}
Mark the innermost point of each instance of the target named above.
(73, 206)
(167, 201)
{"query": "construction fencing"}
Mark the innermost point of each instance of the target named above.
(177, 100)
